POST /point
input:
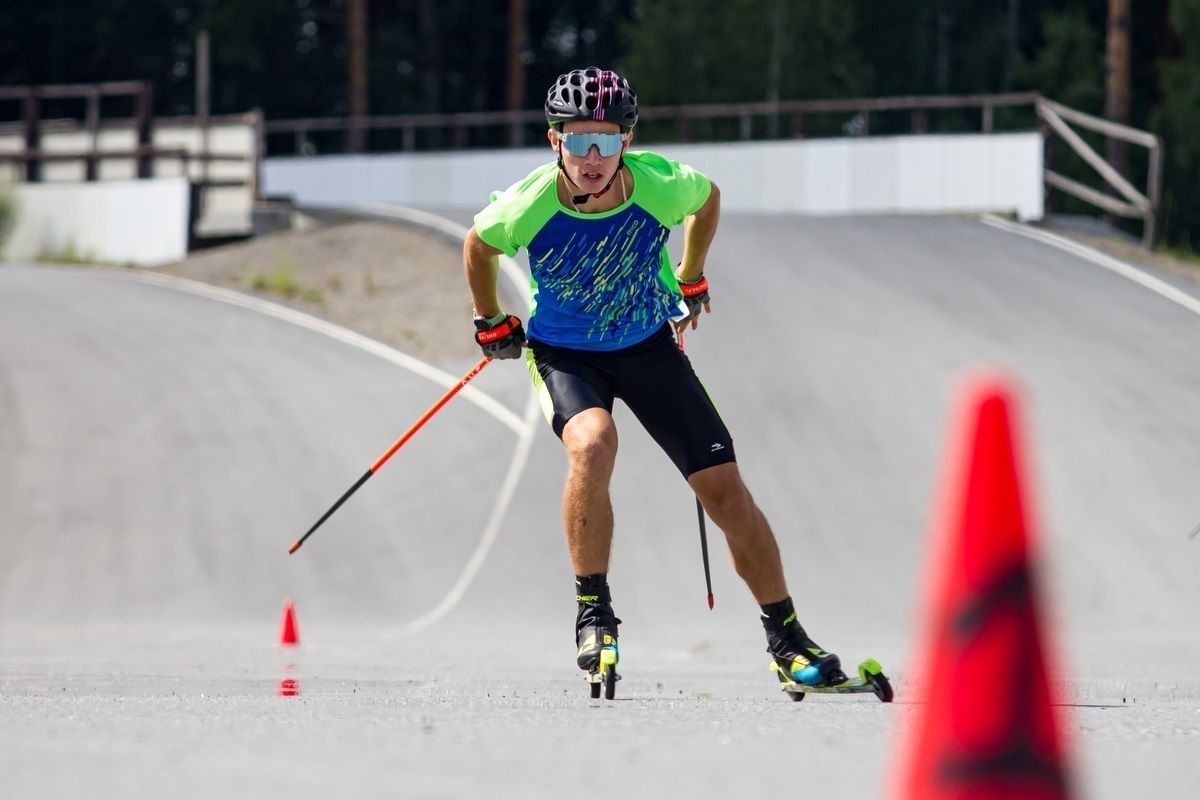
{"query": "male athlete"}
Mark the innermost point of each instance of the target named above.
(604, 302)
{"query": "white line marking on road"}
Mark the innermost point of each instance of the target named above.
(1129, 271)
(532, 416)
(412, 364)
(524, 427)
(492, 529)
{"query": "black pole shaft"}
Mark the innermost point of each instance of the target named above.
(700, 512)
(329, 513)
(704, 552)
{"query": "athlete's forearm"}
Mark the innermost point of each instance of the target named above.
(698, 232)
(482, 265)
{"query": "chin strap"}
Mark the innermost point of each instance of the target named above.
(583, 198)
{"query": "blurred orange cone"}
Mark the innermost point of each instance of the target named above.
(984, 726)
(288, 635)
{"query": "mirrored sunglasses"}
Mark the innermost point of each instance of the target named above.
(578, 144)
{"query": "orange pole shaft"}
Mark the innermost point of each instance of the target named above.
(436, 407)
(408, 434)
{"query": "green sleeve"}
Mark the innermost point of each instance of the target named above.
(493, 226)
(669, 190)
(515, 215)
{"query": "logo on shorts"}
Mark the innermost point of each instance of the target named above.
(717, 446)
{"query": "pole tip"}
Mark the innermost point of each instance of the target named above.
(710, 602)
(293, 548)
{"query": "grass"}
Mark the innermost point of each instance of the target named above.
(282, 281)
(1182, 253)
(68, 255)
(8, 214)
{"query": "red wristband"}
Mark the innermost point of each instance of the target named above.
(700, 286)
(499, 332)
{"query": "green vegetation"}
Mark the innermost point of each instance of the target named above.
(282, 281)
(8, 215)
(1184, 254)
(68, 255)
(1177, 120)
(289, 57)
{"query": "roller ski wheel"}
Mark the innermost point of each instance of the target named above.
(870, 679)
(604, 677)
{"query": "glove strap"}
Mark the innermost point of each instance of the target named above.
(693, 288)
(504, 328)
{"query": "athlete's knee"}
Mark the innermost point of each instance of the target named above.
(723, 494)
(591, 438)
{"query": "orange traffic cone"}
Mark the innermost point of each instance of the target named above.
(288, 634)
(984, 726)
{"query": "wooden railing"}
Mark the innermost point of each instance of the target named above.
(797, 115)
(460, 126)
(791, 119)
(1136, 204)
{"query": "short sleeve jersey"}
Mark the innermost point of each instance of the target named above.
(597, 281)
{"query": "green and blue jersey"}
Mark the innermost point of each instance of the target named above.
(597, 281)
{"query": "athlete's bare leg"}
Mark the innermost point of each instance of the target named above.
(591, 441)
(751, 543)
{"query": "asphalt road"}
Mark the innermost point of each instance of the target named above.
(160, 449)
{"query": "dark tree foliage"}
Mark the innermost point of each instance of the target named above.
(721, 51)
(1177, 120)
(290, 57)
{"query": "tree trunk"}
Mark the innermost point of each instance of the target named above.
(1116, 87)
(430, 65)
(1117, 78)
(1012, 48)
(518, 35)
(774, 64)
(356, 79)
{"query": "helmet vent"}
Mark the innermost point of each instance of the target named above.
(592, 94)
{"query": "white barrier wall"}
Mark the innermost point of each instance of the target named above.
(926, 174)
(141, 222)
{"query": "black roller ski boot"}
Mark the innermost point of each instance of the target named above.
(596, 634)
(796, 655)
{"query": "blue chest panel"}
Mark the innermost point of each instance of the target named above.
(597, 283)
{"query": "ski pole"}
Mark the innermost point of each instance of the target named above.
(700, 517)
(408, 434)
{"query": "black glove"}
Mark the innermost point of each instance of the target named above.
(695, 294)
(500, 336)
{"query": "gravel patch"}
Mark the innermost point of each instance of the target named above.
(399, 285)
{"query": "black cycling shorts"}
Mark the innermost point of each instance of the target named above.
(655, 380)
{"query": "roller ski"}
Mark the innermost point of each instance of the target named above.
(596, 638)
(604, 674)
(870, 679)
(803, 666)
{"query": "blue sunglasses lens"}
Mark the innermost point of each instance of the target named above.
(578, 144)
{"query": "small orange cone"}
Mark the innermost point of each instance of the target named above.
(984, 725)
(288, 635)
